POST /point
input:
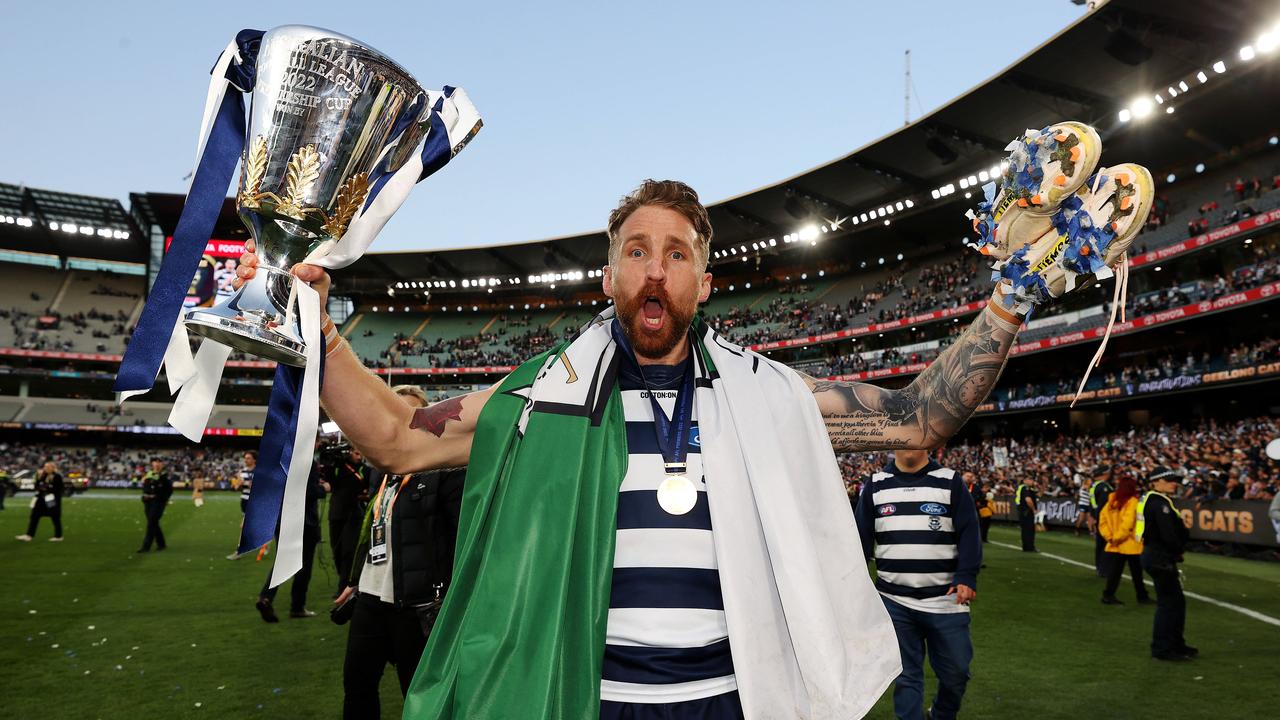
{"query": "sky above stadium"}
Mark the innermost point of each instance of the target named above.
(581, 101)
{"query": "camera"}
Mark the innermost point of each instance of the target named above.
(333, 452)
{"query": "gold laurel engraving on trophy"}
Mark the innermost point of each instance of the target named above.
(301, 173)
(255, 169)
(350, 197)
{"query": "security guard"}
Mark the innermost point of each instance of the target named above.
(1027, 501)
(157, 486)
(1164, 537)
(1099, 494)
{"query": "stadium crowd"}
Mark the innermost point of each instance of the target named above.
(1214, 460)
(113, 466)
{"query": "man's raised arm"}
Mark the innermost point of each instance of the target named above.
(392, 436)
(924, 414)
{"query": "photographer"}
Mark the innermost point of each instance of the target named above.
(407, 546)
(348, 495)
(48, 501)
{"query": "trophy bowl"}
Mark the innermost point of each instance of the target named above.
(329, 119)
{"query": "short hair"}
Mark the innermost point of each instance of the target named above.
(252, 453)
(411, 391)
(671, 194)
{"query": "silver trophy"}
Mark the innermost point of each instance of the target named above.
(329, 117)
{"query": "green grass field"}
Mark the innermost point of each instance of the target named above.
(91, 630)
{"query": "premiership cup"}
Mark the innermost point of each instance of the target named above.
(329, 118)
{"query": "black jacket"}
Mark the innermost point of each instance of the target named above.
(424, 533)
(156, 488)
(46, 485)
(348, 483)
(1165, 537)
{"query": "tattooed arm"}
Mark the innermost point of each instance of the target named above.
(931, 409)
(393, 436)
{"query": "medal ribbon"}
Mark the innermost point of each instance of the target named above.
(673, 433)
(383, 503)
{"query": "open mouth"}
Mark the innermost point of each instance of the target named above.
(652, 313)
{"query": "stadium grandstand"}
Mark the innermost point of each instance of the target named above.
(856, 269)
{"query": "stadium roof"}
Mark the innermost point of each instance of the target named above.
(1090, 71)
(917, 177)
(47, 221)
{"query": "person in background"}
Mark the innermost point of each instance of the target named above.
(243, 481)
(1117, 524)
(406, 550)
(316, 488)
(1164, 539)
(1028, 502)
(48, 502)
(4, 487)
(157, 486)
(197, 486)
(921, 520)
(1098, 495)
(1084, 512)
(982, 501)
(350, 492)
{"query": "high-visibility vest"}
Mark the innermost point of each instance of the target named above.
(1093, 498)
(1141, 526)
(1017, 495)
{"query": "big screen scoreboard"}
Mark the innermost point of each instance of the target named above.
(217, 271)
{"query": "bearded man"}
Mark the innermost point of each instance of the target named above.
(653, 522)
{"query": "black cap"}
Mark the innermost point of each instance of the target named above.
(1101, 470)
(1161, 472)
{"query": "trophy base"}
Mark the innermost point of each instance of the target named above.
(247, 335)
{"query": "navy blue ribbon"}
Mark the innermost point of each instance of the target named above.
(436, 150)
(275, 453)
(673, 433)
(143, 356)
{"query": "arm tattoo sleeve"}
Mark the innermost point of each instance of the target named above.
(929, 410)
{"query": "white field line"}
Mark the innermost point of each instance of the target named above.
(1203, 598)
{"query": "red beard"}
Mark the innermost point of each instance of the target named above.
(650, 344)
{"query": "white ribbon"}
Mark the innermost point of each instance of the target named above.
(293, 512)
(194, 404)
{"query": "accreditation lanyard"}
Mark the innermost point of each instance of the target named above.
(382, 507)
(676, 494)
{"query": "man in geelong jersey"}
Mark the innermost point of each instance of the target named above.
(555, 612)
(923, 524)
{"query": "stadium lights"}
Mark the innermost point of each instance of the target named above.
(1141, 108)
(1266, 42)
(1202, 77)
(808, 232)
(1219, 67)
(1125, 115)
(1246, 53)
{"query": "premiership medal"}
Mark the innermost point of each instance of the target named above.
(677, 495)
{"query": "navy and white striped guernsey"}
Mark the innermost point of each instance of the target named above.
(925, 531)
(667, 640)
(246, 482)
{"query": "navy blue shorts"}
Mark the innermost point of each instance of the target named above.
(716, 707)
